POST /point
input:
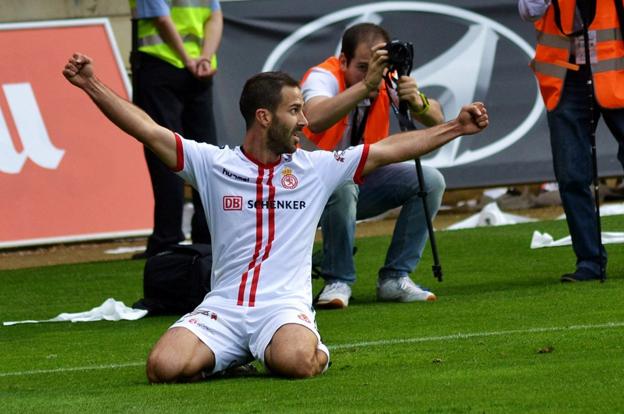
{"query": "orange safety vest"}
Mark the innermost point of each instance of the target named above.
(377, 123)
(553, 52)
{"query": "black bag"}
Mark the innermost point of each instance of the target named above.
(176, 280)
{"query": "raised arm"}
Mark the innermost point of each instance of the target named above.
(405, 146)
(128, 117)
(323, 112)
(428, 115)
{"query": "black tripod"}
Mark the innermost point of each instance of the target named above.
(592, 137)
(406, 124)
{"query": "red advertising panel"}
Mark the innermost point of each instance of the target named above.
(66, 172)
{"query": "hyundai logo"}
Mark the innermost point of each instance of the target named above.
(459, 66)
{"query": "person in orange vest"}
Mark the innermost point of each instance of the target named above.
(173, 66)
(346, 103)
(562, 73)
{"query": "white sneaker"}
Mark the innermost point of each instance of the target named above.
(402, 289)
(334, 296)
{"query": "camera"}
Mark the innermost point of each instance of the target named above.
(400, 56)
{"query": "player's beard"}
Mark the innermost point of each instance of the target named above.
(279, 139)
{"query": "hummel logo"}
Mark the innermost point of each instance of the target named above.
(31, 131)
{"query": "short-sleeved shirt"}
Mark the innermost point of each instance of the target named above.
(263, 217)
(146, 9)
(321, 82)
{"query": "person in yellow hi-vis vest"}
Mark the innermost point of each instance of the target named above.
(575, 105)
(173, 64)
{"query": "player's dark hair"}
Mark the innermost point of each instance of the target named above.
(368, 33)
(263, 90)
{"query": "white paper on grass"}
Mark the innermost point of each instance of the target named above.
(495, 193)
(540, 240)
(490, 215)
(125, 249)
(110, 310)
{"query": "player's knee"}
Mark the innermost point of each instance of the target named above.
(573, 181)
(155, 369)
(160, 369)
(305, 369)
(344, 198)
(306, 365)
(434, 180)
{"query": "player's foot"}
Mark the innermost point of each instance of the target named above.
(402, 289)
(581, 275)
(334, 296)
(246, 370)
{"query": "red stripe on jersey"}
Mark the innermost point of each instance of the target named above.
(357, 178)
(179, 154)
(267, 249)
(252, 263)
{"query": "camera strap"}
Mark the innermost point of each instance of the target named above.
(405, 122)
(586, 10)
(357, 125)
(620, 12)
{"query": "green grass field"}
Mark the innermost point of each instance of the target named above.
(504, 336)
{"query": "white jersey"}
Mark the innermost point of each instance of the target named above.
(263, 218)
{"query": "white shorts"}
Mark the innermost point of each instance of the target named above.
(239, 334)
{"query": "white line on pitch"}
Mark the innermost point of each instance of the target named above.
(608, 325)
(57, 370)
(365, 344)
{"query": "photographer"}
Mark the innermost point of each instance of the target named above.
(346, 103)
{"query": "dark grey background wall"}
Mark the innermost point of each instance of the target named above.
(465, 50)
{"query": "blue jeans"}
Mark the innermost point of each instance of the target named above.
(570, 131)
(386, 188)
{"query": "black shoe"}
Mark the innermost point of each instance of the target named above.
(247, 370)
(140, 256)
(580, 276)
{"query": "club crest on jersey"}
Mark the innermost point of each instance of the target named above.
(339, 155)
(289, 181)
